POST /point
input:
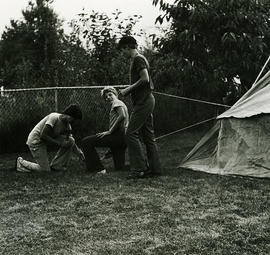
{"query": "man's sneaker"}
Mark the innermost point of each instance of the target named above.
(102, 171)
(20, 167)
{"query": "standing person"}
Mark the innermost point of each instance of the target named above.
(141, 120)
(114, 138)
(53, 129)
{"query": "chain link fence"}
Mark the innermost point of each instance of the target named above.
(22, 109)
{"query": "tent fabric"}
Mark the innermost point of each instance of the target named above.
(255, 101)
(239, 143)
(256, 104)
(234, 147)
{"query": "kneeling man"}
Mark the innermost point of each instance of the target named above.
(53, 129)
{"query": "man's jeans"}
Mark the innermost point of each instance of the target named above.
(116, 143)
(141, 124)
(40, 155)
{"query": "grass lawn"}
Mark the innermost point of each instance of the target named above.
(181, 212)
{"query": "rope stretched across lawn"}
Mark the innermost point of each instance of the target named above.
(193, 125)
(191, 99)
(185, 128)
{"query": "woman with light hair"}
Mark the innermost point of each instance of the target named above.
(114, 138)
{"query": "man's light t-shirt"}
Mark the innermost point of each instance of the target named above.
(58, 126)
(114, 115)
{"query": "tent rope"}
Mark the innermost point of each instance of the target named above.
(185, 128)
(191, 99)
(259, 75)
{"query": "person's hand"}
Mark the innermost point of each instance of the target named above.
(100, 135)
(124, 92)
(66, 143)
(81, 154)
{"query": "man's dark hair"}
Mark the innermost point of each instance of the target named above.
(73, 111)
(127, 41)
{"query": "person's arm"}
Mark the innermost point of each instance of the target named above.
(120, 118)
(46, 135)
(144, 78)
(78, 151)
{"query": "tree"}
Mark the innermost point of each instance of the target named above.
(214, 42)
(98, 34)
(28, 47)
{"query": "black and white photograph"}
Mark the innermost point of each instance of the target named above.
(134, 127)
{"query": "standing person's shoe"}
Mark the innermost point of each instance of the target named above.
(20, 167)
(147, 174)
(151, 173)
(136, 175)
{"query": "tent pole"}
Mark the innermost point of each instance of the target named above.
(261, 71)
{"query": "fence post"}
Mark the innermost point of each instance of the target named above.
(56, 99)
(2, 91)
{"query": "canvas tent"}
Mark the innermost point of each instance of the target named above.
(239, 143)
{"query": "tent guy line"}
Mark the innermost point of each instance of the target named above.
(191, 99)
(185, 128)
